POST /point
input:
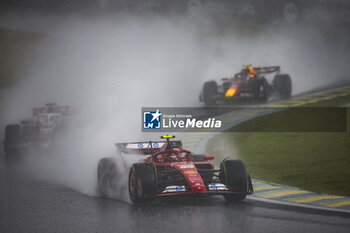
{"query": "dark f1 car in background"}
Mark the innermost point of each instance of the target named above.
(249, 84)
(39, 131)
(170, 170)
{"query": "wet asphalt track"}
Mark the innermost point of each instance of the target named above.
(29, 205)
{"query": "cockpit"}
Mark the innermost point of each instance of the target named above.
(173, 155)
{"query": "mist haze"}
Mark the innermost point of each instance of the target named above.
(108, 67)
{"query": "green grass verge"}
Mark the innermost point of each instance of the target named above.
(317, 161)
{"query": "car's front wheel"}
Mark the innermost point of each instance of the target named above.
(233, 174)
(209, 93)
(264, 91)
(12, 137)
(142, 182)
(283, 85)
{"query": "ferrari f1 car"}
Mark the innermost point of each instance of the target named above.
(249, 84)
(170, 170)
(39, 131)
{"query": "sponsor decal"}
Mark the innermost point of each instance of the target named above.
(217, 187)
(212, 187)
(190, 172)
(180, 188)
(184, 166)
(174, 188)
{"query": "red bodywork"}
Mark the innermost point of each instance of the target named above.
(183, 164)
(171, 156)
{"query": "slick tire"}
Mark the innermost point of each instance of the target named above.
(283, 85)
(106, 175)
(234, 175)
(263, 91)
(12, 137)
(142, 182)
(209, 93)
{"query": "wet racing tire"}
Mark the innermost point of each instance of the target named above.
(142, 182)
(106, 175)
(264, 91)
(12, 137)
(209, 93)
(283, 85)
(233, 174)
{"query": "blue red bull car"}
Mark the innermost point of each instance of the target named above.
(169, 170)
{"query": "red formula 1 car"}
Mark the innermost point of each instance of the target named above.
(170, 170)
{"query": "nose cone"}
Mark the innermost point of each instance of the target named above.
(194, 180)
(192, 176)
(199, 188)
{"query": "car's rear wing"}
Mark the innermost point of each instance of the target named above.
(145, 147)
(267, 69)
(64, 110)
(260, 70)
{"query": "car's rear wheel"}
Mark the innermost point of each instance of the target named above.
(209, 93)
(106, 175)
(142, 182)
(283, 85)
(12, 137)
(233, 174)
